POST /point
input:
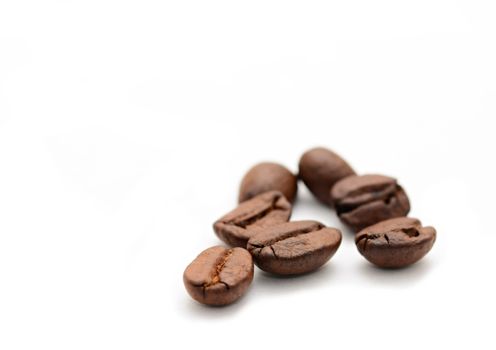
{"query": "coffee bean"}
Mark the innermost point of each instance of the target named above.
(362, 201)
(320, 169)
(219, 276)
(265, 177)
(266, 209)
(396, 242)
(294, 247)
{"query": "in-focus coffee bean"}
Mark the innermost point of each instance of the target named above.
(219, 276)
(362, 201)
(294, 247)
(266, 209)
(265, 177)
(396, 242)
(320, 169)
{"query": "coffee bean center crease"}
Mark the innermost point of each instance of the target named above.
(399, 234)
(255, 215)
(283, 237)
(215, 278)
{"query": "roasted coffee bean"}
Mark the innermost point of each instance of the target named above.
(219, 276)
(294, 247)
(362, 201)
(320, 169)
(396, 242)
(265, 177)
(266, 209)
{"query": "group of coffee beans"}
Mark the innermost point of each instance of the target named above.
(259, 231)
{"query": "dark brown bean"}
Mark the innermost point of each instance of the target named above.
(264, 210)
(396, 242)
(362, 201)
(265, 177)
(293, 247)
(219, 276)
(320, 169)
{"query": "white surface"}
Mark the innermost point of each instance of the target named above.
(125, 128)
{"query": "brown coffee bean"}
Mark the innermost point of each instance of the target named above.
(396, 242)
(320, 169)
(265, 177)
(266, 209)
(362, 201)
(219, 276)
(294, 247)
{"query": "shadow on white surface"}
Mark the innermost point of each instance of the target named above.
(263, 283)
(267, 283)
(395, 277)
(198, 310)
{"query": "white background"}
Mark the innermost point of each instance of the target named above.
(125, 128)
